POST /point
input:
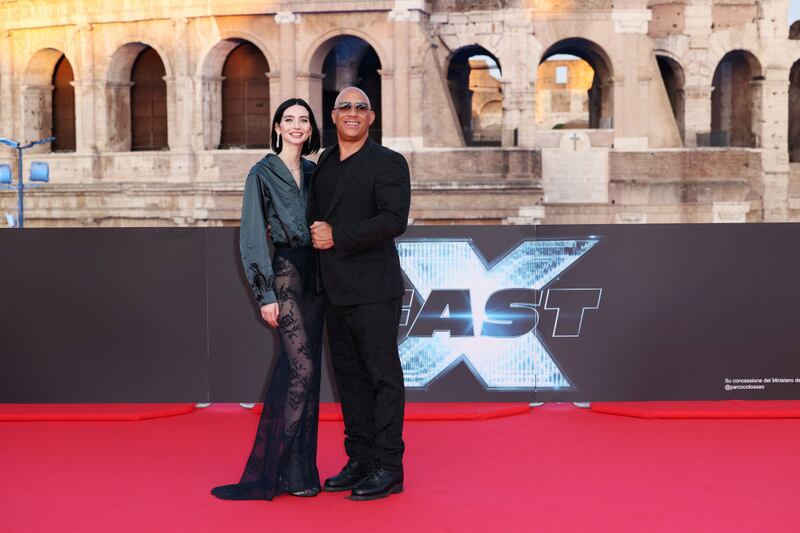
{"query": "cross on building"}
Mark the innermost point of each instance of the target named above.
(575, 138)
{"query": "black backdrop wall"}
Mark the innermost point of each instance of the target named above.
(549, 313)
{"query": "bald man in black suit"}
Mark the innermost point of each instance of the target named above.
(360, 199)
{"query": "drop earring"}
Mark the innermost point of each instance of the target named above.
(278, 143)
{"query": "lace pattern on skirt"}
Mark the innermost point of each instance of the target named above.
(283, 458)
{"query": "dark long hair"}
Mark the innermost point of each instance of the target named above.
(313, 143)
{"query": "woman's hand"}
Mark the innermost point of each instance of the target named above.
(269, 313)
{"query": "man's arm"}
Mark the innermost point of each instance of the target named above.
(393, 200)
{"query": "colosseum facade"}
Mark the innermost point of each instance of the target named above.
(508, 111)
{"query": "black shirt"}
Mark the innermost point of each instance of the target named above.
(326, 178)
(328, 175)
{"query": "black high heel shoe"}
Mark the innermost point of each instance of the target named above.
(305, 493)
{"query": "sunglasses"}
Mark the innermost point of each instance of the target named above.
(361, 107)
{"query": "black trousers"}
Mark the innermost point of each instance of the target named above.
(366, 364)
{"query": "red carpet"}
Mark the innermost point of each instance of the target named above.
(716, 409)
(556, 468)
(11, 412)
(415, 411)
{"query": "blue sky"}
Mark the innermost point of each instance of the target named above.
(794, 10)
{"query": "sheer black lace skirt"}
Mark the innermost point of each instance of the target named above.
(284, 455)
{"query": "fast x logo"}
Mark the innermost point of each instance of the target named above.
(487, 314)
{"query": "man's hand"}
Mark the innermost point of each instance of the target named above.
(321, 235)
(269, 313)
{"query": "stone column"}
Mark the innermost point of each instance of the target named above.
(771, 119)
(757, 116)
(396, 108)
(387, 104)
(417, 94)
(309, 88)
(85, 109)
(697, 115)
(520, 57)
(509, 132)
(6, 85)
(37, 120)
(208, 123)
(630, 121)
(183, 90)
(680, 111)
(112, 117)
(287, 60)
(180, 99)
(519, 114)
(276, 94)
(773, 133)
(697, 108)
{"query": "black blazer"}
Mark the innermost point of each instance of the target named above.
(368, 209)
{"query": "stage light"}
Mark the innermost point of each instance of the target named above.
(9, 142)
(5, 174)
(40, 172)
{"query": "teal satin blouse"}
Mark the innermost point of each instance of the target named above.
(271, 196)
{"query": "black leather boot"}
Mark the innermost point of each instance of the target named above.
(352, 473)
(380, 483)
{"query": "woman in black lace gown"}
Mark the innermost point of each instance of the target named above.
(283, 458)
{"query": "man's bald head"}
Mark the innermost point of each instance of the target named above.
(352, 115)
(348, 93)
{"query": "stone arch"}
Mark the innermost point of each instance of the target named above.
(471, 85)
(674, 78)
(490, 115)
(600, 96)
(63, 107)
(39, 70)
(322, 46)
(148, 109)
(119, 65)
(497, 44)
(344, 59)
(794, 113)
(676, 47)
(213, 56)
(117, 92)
(37, 95)
(212, 84)
(794, 30)
(736, 100)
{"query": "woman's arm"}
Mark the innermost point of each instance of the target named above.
(253, 241)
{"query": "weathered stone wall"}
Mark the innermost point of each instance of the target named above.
(733, 13)
(473, 5)
(652, 175)
(668, 17)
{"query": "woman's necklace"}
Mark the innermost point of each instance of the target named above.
(293, 169)
(295, 173)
